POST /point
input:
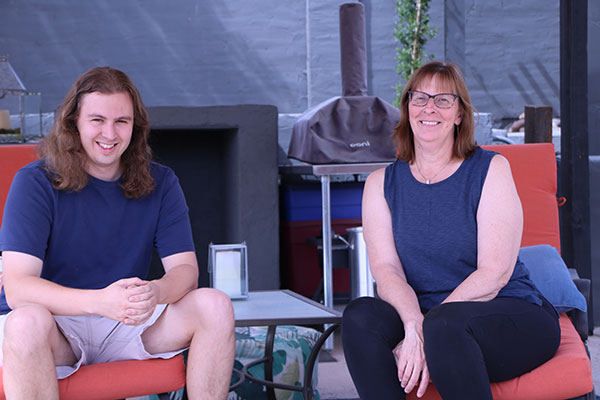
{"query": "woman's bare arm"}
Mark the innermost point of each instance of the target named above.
(499, 231)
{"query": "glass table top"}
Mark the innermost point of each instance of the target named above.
(279, 307)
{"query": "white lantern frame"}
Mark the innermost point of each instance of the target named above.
(228, 271)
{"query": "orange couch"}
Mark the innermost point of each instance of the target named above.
(12, 158)
(569, 373)
(104, 381)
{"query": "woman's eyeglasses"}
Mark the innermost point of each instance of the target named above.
(441, 100)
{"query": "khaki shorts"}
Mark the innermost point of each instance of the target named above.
(96, 339)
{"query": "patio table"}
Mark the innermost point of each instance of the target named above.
(283, 307)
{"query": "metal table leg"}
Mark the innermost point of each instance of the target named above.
(269, 344)
(327, 256)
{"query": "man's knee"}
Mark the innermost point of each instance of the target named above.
(210, 306)
(28, 326)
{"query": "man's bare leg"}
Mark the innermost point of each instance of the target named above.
(203, 320)
(32, 347)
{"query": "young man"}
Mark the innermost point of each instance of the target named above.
(76, 240)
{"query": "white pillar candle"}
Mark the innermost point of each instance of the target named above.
(228, 266)
(4, 119)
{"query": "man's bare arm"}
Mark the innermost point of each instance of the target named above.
(181, 276)
(24, 286)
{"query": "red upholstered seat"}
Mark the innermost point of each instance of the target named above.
(12, 158)
(534, 171)
(122, 379)
(569, 373)
(115, 380)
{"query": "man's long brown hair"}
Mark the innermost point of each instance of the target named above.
(464, 139)
(64, 154)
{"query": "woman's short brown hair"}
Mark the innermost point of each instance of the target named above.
(449, 74)
(64, 154)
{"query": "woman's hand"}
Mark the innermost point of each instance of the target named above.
(412, 366)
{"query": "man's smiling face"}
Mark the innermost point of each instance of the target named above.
(105, 124)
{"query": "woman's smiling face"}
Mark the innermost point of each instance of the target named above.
(430, 123)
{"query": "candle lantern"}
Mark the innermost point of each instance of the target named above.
(228, 269)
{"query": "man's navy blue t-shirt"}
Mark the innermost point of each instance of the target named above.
(92, 238)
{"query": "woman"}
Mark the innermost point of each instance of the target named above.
(443, 226)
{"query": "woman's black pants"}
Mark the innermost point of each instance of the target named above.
(467, 345)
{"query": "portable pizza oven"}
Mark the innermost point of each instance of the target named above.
(353, 128)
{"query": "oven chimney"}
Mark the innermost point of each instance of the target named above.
(353, 49)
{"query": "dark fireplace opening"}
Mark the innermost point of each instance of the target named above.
(226, 160)
(199, 158)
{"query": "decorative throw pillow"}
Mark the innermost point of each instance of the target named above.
(291, 350)
(551, 276)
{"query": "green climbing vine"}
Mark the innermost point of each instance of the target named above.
(412, 31)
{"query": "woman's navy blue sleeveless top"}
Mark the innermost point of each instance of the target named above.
(435, 230)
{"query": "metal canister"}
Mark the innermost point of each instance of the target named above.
(361, 280)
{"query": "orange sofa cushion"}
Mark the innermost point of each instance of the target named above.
(534, 171)
(121, 379)
(12, 158)
(568, 374)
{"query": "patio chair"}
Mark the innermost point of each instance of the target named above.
(568, 375)
(113, 380)
(12, 158)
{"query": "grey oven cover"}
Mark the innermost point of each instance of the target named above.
(348, 129)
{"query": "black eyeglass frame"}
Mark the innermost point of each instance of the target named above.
(431, 96)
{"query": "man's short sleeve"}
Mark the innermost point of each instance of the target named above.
(173, 232)
(27, 217)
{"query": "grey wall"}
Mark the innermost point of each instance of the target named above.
(279, 52)
(178, 53)
(512, 55)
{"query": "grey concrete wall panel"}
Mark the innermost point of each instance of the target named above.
(437, 19)
(183, 53)
(192, 53)
(323, 63)
(248, 186)
(512, 55)
(454, 25)
(594, 79)
(381, 49)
